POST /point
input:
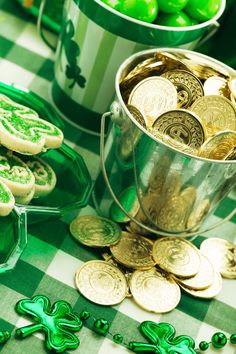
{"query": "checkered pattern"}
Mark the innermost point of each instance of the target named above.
(51, 258)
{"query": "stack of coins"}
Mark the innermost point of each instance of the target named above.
(187, 103)
(151, 272)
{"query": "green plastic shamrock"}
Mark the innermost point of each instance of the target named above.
(162, 338)
(57, 322)
(4, 336)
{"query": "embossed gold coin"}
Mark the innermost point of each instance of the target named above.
(188, 86)
(175, 144)
(154, 292)
(232, 86)
(182, 126)
(216, 85)
(231, 155)
(137, 115)
(95, 231)
(207, 293)
(217, 113)
(198, 214)
(101, 283)
(133, 251)
(222, 255)
(177, 256)
(203, 279)
(219, 146)
(152, 97)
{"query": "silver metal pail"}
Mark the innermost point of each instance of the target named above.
(154, 186)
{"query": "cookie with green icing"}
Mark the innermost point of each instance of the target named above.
(15, 173)
(22, 130)
(45, 177)
(26, 199)
(7, 200)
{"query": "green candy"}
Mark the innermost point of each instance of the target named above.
(179, 19)
(202, 10)
(143, 10)
(171, 6)
(114, 4)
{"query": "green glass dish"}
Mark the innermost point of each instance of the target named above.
(13, 238)
(52, 16)
(74, 183)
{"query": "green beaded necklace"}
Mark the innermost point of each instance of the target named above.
(59, 323)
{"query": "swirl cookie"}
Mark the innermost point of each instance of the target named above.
(22, 130)
(45, 178)
(7, 200)
(15, 174)
(26, 199)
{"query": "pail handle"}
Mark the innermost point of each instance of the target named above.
(154, 231)
(213, 28)
(40, 27)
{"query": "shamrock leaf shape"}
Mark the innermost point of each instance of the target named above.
(22, 130)
(57, 322)
(73, 72)
(162, 340)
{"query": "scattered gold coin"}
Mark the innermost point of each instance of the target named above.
(217, 113)
(222, 255)
(219, 146)
(95, 231)
(177, 256)
(152, 97)
(208, 293)
(101, 283)
(133, 251)
(153, 291)
(181, 125)
(203, 279)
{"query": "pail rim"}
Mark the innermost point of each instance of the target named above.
(167, 28)
(139, 126)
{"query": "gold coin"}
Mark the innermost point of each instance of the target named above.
(180, 125)
(101, 283)
(219, 146)
(152, 97)
(95, 231)
(177, 256)
(232, 86)
(216, 85)
(203, 279)
(217, 113)
(208, 293)
(133, 251)
(175, 211)
(222, 255)
(198, 214)
(231, 155)
(137, 115)
(154, 292)
(188, 86)
(176, 144)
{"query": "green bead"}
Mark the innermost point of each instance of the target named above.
(233, 339)
(117, 338)
(218, 340)
(203, 345)
(114, 4)
(179, 19)
(84, 315)
(202, 10)
(101, 326)
(143, 10)
(171, 6)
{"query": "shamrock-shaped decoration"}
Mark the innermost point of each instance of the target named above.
(72, 52)
(57, 322)
(162, 340)
(4, 336)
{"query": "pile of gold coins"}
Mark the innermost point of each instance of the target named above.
(150, 272)
(186, 102)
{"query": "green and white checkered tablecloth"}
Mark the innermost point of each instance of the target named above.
(51, 258)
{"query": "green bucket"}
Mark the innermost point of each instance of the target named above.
(94, 41)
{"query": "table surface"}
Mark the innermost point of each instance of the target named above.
(51, 257)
